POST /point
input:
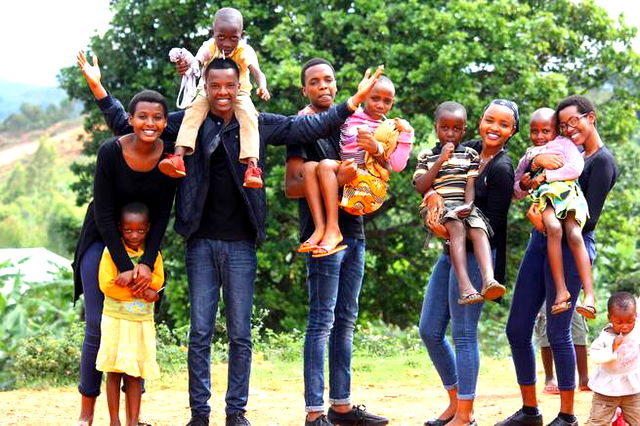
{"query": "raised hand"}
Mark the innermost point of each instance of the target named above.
(182, 65)
(92, 74)
(90, 71)
(367, 83)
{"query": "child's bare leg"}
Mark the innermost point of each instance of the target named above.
(133, 396)
(581, 257)
(554, 252)
(458, 254)
(314, 199)
(482, 251)
(113, 397)
(328, 177)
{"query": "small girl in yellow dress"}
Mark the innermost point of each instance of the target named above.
(128, 343)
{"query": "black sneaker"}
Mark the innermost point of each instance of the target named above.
(438, 422)
(198, 420)
(237, 420)
(561, 422)
(519, 418)
(320, 421)
(357, 416)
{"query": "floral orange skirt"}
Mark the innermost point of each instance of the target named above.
(364, 194)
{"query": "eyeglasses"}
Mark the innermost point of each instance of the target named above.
(572, 122)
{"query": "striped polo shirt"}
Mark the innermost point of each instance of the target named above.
(452, 177)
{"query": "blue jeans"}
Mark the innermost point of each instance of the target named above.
(90, 378)
(334, 284)
(459, 370)
(534, 285)
(211, 265)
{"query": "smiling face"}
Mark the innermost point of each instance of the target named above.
(320, 86)
(222, 87)
(496, 126)
(622, 320)
(451, 126)
(134, 228)
(227, 33)
(380, 100)
(584, 129)
(148, 121)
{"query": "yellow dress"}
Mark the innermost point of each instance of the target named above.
(128, 341)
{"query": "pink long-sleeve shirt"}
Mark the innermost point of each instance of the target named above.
(350, 149)
(571, 170)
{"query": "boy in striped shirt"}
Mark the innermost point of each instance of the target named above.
(450, 170)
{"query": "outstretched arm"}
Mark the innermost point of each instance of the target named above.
(114, 113)
(278, 129)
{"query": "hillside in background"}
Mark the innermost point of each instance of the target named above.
(37, 203)
(12, 95)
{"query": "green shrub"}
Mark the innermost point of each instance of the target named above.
(49, 359)
(53, 359)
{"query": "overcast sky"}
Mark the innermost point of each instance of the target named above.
(39, 37)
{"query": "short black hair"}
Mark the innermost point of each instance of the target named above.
(135, 208)
(582, 104)
(222, 64)
(312, 63)
(148, 96)
(449, 106)
(622, 301)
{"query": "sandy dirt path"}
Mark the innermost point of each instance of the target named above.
(406, 400)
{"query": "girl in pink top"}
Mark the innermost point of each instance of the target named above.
(560, 200)
(358, 146)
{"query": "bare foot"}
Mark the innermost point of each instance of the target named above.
(589, 300)
(87, 407)
(562, 296)
(467, 291)
(316, 237)
(331, 239)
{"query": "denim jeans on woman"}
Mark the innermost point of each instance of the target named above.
(90, 378)
(334, 284)
(457, 370)
(534, 285)
(231, 266)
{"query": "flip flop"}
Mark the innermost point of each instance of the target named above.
(587, 311)
(324, 250)
(493, 291)
(551, 389)
(470, 299)
(307, 247)
(558, 308)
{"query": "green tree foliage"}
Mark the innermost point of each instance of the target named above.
(34, 206)
(534, 52)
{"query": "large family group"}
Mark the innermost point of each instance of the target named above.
(339, 160)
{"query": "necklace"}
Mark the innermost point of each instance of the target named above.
(484, 161)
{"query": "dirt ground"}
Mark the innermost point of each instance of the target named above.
(273, 401)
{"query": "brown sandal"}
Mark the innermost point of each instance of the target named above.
(471, 299)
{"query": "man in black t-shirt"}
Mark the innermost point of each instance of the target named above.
(334, 281)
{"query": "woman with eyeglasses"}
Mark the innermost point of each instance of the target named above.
(576, 119)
